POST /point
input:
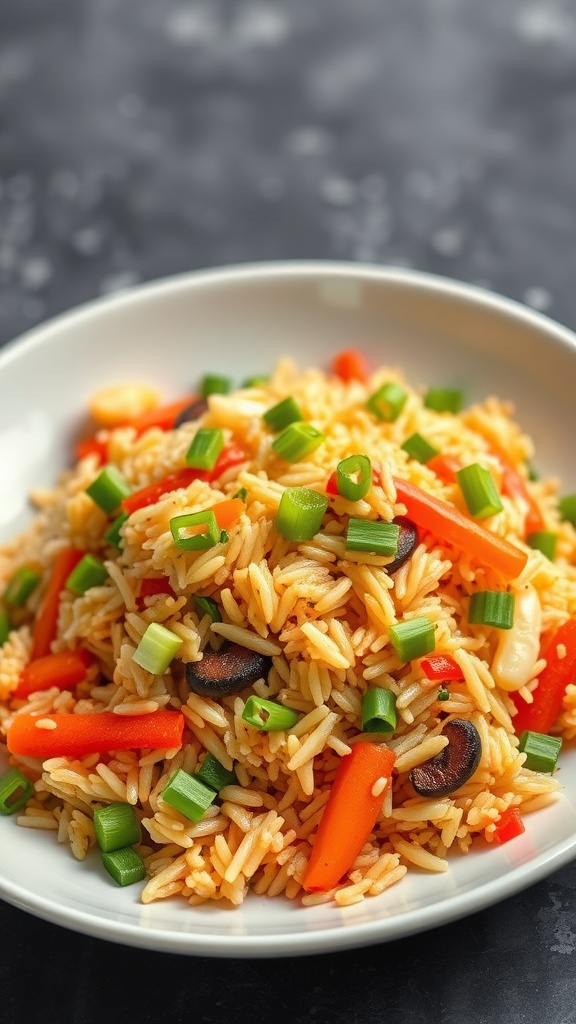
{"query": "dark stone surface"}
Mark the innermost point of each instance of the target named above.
(139, 138)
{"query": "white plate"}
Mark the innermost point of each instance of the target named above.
(238, 321)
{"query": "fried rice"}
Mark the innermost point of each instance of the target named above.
(320, 614)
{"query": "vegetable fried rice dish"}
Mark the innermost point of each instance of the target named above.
(293, 636)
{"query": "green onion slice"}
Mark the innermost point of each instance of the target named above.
(108, 489)
(188, 794)
(90, 572)
(479, 490)
(413, 638)
(444, 399)
(541, 751)
(492, 608)
(214, 774)
(125, 866)
(206, 606)
(268, 715)
(114, 533)
(257, 381)
(369, 535)
(206, 446)
(378, 710)
(300, 513)
(417, 447)
(21, 584)
(544, 541)
(297, 440)
(206, 532)
(5, 626)
(388, 401)
(354, 477)
(15, 790)
(157, 648)
(214, 384)
(567, 508)
(116, 826)
(283, 414)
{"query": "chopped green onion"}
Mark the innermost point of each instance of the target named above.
(5, 626)
(267, 715)
(116, 826)
(199, 540)
(354, 477)
(108, 489)
(21, 584)
(214, 774)
(125, 866)
(224, 536)
(567, 508)
(157, 648)
(283, 414)
(413, 638)
(255, 382)
(417, 447)
(492, 608)
(532, 471)
(541, 751)
(90, 572)
(368, 535)
(300, 513)
(388, 401)
(207, 606)
(443, 399)
(297, 440)
(206, 446)
(242, 493)
(113, 534)
(378, 710)
(213, 384)
(188, 794)
(15, 790)
(443, 694)
(479, 490)
(544, 541)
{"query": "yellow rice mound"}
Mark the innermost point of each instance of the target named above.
(321, 612)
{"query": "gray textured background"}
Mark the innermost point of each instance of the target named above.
(139, 138)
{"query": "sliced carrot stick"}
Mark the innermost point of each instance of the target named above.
(351, 364)
(350, 815)
(44, 629)
(61, 735)
(447, 523)
(63, 669)
(559, 672)
(445, 467)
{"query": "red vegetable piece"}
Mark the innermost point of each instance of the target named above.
(63, 669)
(351, 364)
(509, 826)
(44, 629)
(442, 667)
(560, 671)
(230, 456)
(98, 733)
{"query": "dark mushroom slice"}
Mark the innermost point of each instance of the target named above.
(191, 412)
(226, 671)
(407, 541)
(454, 765)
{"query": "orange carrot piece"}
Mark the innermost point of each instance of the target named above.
(447, 523)
(99, 733)
(63, 669)
(351, 364)
(162, 417)
(44, 629)
(445, 467)
(228, 512)
(558, 673)
(350, 814)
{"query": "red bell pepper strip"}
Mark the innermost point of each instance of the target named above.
(509, 825)
(230, 456)
(45, 625)
(163, 417)
(99, 733)
(441, 666)
(91, 446)
(559, 672)
(349, 815)
(445, 467)
(351, 364)
(152, 585)
(447, 523)
(514, 486)
(63, 669)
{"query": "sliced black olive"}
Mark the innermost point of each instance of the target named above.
(407, 541)
(454, 765)
(196, 408)
(226, 671)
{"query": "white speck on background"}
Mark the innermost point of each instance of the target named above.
(117, 282)
(565, 938)
(261, 25)
(547, 23)
(337, 191)
(35, 273)
(308, 141)
(537, 297)
(421, 185)
(192, 24)
(88, 241)
(447, 241)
